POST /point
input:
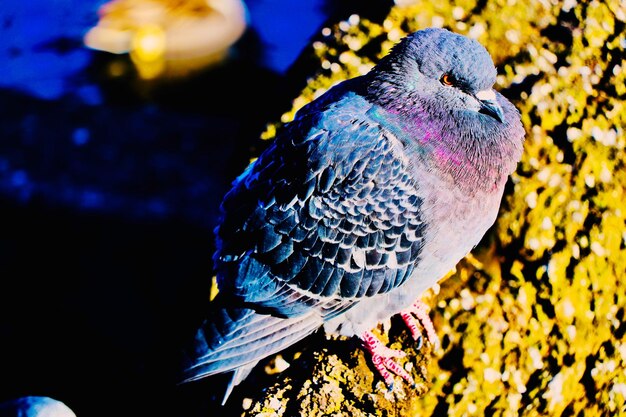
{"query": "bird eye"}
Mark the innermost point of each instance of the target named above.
(447, 80)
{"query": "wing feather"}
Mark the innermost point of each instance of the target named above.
(328, 210)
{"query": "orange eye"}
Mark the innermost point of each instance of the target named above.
(447, 79)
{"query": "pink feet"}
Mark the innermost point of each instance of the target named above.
(383, 357)
(418, 314)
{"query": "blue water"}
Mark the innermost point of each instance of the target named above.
(285, 27)
(41, 51)
(40, 46)
(66, 141)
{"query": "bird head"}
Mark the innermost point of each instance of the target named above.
(441, 72)
(441, 84)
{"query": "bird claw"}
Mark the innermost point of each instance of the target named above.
(415, 317)
(383, 360)
(418, 314)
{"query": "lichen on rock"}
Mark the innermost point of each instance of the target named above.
(534, 324)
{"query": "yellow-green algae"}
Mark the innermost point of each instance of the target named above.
(534, 325)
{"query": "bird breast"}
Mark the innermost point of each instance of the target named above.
(456, 222)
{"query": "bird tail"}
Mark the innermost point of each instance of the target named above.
(235, 339)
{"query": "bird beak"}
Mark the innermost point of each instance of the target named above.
(489, 105)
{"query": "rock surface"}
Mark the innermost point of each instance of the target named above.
(533, 323)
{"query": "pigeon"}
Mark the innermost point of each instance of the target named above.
(34, 406)
(374, 192)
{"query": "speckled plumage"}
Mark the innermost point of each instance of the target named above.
(374, 192)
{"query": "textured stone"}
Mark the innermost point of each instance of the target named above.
(533, 324)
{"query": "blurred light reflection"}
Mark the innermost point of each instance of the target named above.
(169, 37)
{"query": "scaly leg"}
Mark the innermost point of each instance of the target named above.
(382, 357)
(418, 314)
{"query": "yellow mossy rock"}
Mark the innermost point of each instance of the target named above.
(536, 327)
